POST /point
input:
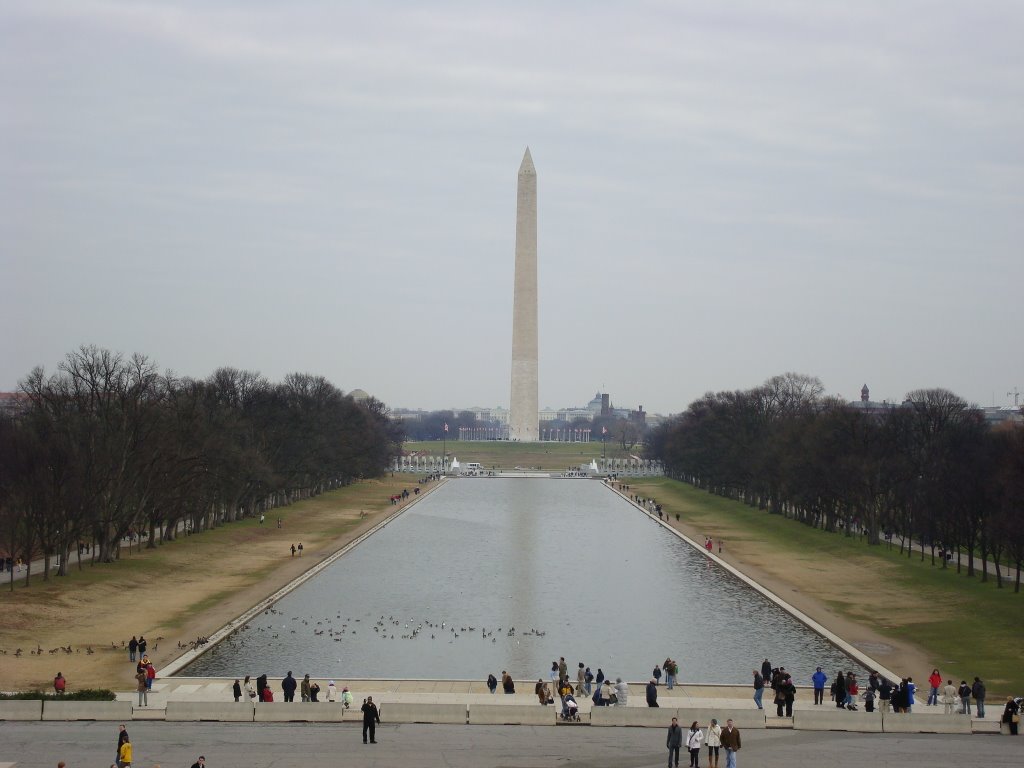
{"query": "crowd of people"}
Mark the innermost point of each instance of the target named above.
(309, 691)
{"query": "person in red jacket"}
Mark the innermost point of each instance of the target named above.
(935, 681)
(59, 683)
(268, 695)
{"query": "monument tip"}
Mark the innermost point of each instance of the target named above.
(527, 165)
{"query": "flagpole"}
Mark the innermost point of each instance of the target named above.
(444, 450)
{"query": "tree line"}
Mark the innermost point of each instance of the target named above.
(928, 473)
(108, 447)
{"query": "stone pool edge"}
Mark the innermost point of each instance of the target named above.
(850, 650)
(225, 631)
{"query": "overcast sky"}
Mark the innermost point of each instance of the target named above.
(727, 191)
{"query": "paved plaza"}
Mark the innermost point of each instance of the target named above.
(177, 745)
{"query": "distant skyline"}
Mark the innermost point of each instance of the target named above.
(726, 191)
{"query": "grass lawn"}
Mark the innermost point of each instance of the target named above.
(968, 627)
(505, 454)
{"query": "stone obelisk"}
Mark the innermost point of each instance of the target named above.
(524, 411)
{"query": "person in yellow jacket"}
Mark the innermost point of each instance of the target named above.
(124, 755)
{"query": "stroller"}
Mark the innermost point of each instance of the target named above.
(570, 709)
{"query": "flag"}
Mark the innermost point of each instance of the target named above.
(446, 426)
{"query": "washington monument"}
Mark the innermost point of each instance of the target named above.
(524, 411)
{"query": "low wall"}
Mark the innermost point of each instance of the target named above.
(513, 714)
(87, 710)
(194, 711)
(21, 710)
(302, 712)
(911, 723)
(399, 712)
(833, 719)
(633, 717)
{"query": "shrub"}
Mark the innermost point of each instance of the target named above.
(86, 694)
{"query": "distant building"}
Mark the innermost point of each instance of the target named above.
(867, 405)
(13, 402)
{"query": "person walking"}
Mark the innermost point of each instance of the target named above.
(656, 674)
(370, 719)
(142, 646)
(143, 691)
(581, 679)
(588, 678)
(934, 683)
(819, 679)
(563, 668)
(714, 742)
(758, 688)
(133, 646)
(124, 753)
(492, 683)
(288, 686)
(978, 692)
(694, 740)
(652, 693)
(731, 743)
(1011, 715)
(122, 737)
(674, 741)
(236, 690)
(507, 685)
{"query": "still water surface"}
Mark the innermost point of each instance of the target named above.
(574, 569)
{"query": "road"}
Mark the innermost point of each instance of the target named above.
(177, 745)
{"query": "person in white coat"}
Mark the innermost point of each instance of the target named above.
(332, 691)
(714, 742)
(694, 740)
(621, 691)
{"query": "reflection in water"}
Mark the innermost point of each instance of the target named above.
(576, 571)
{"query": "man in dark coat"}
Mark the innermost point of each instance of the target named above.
(652, 693)
(261, 683)
(674, 741)
(766, 670)
(122, 737)
(840, 690)
(288, 685)
(370, 719)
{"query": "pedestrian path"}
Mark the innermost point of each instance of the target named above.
(720, 697)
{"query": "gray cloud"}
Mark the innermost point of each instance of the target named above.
(727, 191)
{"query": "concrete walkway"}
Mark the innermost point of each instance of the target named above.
(720, 697)
(293, 745)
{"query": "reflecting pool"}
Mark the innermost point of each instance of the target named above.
(486, 575)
